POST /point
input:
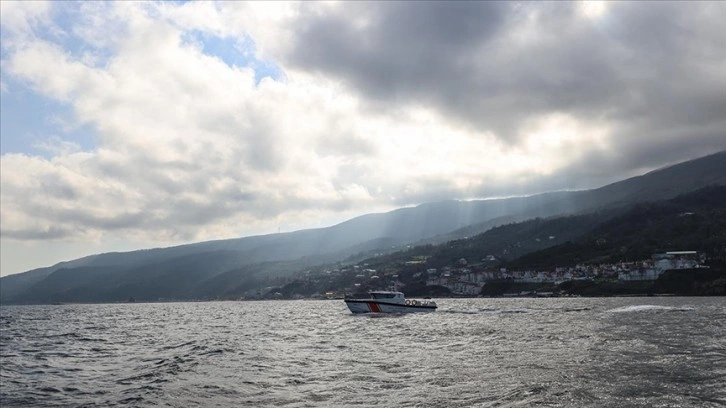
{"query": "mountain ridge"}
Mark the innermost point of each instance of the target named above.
(252, 256)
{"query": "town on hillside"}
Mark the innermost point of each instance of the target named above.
(482, 278)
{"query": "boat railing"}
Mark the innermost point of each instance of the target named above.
(415, 302)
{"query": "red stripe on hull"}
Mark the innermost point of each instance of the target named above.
(374, 307)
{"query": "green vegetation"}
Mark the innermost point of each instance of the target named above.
(696, 222)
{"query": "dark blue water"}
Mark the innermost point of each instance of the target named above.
(617, 352)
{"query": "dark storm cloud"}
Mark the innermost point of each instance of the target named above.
(399, 46)
(656, 72)
(401, 53)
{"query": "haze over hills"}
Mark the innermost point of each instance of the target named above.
(581, 254)
(693, 220)
(216, 269)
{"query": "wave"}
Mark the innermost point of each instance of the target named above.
(577, 309)
(459, 311)
(646, 308)
(487, 310)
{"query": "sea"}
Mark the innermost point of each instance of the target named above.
(513, 352)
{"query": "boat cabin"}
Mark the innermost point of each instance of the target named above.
(388, 296)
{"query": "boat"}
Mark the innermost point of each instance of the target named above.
(388, 301)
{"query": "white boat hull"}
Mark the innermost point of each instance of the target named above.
(373, 306)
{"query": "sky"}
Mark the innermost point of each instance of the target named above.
(130, 125)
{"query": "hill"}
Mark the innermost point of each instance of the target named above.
(227, 268)
(695, 221)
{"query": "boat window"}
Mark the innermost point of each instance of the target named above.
(384, 295)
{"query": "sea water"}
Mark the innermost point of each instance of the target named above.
(574, 352)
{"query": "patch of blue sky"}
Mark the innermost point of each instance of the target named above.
(31, 123)
(234, 52)
(68, 20)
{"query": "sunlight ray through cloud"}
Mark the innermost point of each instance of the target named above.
(179, 122)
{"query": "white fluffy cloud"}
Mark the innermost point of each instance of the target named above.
(191, 147)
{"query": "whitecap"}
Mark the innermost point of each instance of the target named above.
(644, 308)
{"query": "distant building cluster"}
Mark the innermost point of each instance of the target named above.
(465, 281)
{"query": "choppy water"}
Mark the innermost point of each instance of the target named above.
(614, 352)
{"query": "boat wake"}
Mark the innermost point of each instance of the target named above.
(472, 312)
(487, 310)
(648, 308)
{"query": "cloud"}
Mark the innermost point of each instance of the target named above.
(214, 120)
(20, 18)
(495, 65)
